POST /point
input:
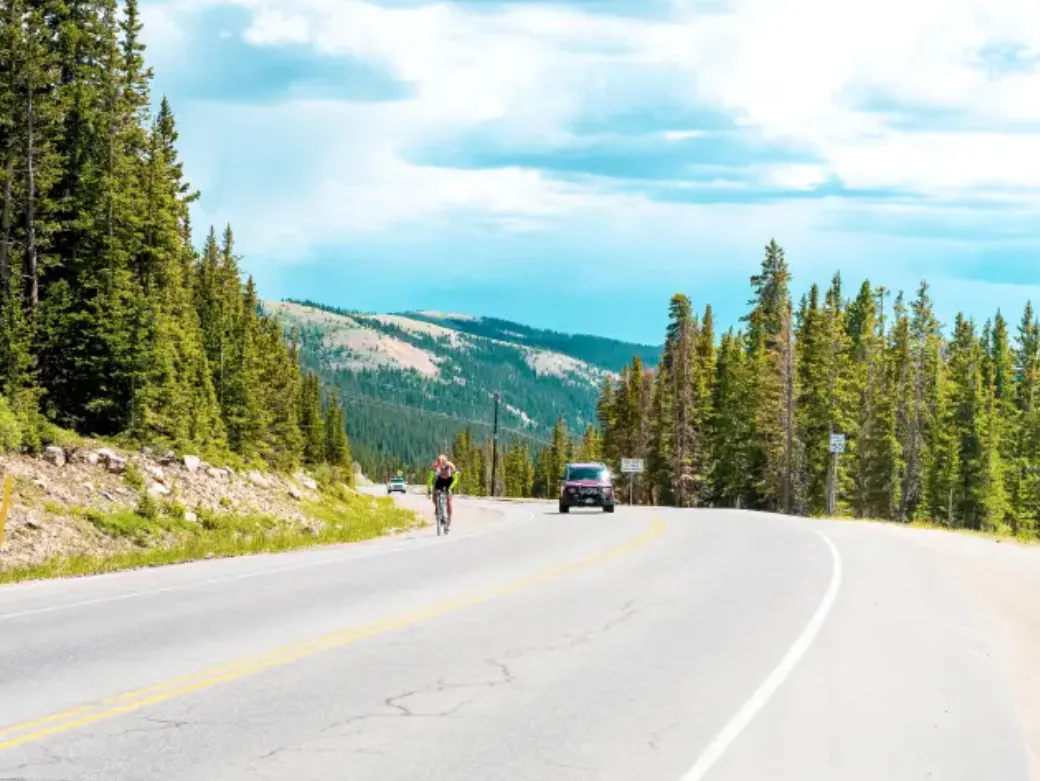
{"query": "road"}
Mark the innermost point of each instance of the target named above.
(648, 645)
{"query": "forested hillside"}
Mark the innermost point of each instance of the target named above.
(110, 322)
(942, 425)
(412, 385)
(610, 354)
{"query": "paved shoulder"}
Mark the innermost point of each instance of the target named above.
(900, 683)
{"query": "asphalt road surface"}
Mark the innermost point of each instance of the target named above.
(526, 646)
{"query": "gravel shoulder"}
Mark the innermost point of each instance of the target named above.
(1002, 578)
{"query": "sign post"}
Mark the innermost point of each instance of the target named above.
(631, 467)
(837, 447)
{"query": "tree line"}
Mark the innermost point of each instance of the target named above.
(525, 469)
(941, 428)
(111, 323)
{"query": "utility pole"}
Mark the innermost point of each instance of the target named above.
(494, 448)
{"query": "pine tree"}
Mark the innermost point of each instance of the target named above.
(734, 426)
(558, 457)
(337, 449)
(814, 401)
(678, 362)
(1024, 483)
(704, 374)
(280, 394)
(942, 453)
(519, 471)
(917, 406)
(968, 412)
(605, 417)
(770, 365)
(659, 474)
(589, 449)
(312, 423)
(874, 458)
(89, 323)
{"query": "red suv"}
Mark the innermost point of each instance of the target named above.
(587, 485)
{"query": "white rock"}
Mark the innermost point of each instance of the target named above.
(191, 517)
(82, 455)
(156, 473)
(158, 489)
(306, 481)
(258, 479)
(191, 463)
(54, 454)
(295, 492)
(115, 463)
(218, 474)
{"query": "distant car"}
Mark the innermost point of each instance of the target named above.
(587, 485)
(396, 485)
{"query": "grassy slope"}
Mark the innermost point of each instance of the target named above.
(161, 535)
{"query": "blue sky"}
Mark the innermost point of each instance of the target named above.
(573, 164)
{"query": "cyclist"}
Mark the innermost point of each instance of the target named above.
(444, 476)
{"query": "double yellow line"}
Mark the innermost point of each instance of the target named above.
(128, 702)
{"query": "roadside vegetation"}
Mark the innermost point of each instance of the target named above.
(941, 423)
(157, 533)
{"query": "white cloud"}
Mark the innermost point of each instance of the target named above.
(788, 70)
(797, 177)
(681, 135)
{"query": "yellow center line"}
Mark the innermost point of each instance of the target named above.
(150, 695)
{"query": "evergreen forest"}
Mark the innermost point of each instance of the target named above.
(112, 323)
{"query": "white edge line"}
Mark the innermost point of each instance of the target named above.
(721, 742)
(360, 554)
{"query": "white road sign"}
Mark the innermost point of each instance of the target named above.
(837, 443)
(632, 466)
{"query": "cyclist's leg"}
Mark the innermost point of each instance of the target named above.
(438, 487)
(448, 492)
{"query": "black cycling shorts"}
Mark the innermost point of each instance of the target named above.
(443, 483)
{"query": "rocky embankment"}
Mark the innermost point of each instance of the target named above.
(75, 501)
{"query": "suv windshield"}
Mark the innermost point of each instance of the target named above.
(586, 473)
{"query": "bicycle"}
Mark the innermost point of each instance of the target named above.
(441, 503)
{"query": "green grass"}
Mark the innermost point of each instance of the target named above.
(133, 477)
(54, 508)
(168, 539)
(1005, 533)
(52, 434)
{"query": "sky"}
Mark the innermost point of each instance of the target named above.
(571, 165)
